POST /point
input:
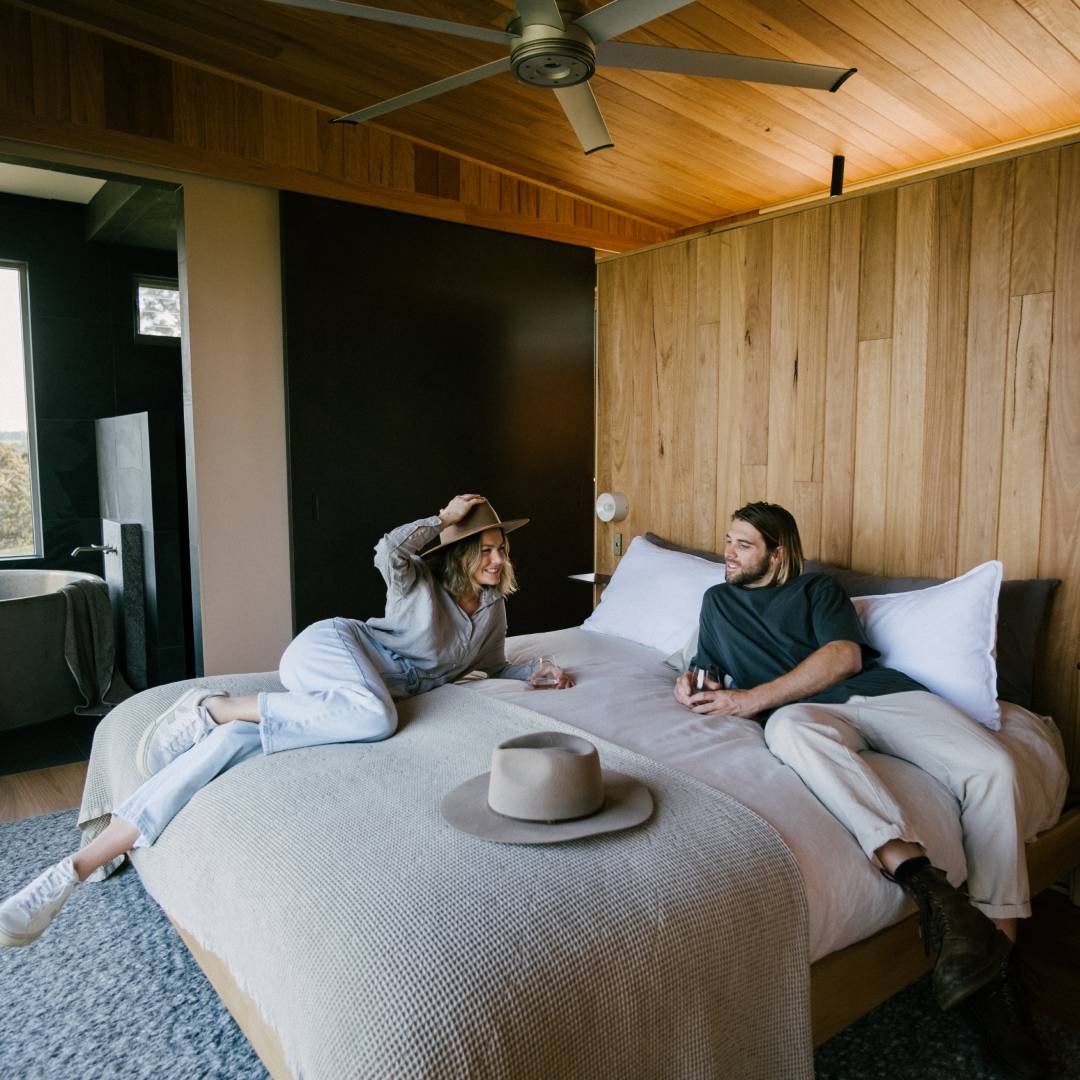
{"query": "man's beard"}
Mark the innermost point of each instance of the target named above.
(751, 574)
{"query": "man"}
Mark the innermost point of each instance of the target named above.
(789, 647)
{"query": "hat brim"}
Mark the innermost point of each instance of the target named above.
(502, 526)
(627, 802)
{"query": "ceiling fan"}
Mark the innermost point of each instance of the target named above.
(554, 45)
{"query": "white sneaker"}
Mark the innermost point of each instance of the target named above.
(175, 731)
(24, 916)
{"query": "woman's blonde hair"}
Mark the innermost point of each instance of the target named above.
(778, 529)
(462, 558)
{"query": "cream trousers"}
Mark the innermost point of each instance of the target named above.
(822, 743)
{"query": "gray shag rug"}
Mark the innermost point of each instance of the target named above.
(110, 990)
(910, 1038)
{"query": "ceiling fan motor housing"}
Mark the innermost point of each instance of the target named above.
(546, 56)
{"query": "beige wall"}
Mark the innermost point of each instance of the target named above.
(234, 409)
(234, 418)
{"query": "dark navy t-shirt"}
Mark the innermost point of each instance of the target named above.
(757, 635)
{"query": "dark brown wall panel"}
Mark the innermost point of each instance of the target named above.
(426, 359)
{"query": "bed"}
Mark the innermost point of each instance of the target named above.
(684, 948)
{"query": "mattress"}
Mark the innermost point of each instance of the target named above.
(624, 694)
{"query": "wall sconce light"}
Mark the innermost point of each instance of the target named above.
(612, 506)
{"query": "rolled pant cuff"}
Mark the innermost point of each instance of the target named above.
(1003, 911)
(267, 723)
(873, 841)
(144, 839)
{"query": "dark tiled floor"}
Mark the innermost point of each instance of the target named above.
(41, 746)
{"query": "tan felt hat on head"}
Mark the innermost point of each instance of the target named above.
(546, 788)
(482, 516)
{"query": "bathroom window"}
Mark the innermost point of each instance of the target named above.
(20, 517)
(157, 309)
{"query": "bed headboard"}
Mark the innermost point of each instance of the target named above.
(900, 369)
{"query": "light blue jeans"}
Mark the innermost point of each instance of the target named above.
(340, 686)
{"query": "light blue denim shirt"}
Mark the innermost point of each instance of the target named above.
(425, 625)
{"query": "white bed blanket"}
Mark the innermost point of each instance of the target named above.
(624, 694)
(378, 941)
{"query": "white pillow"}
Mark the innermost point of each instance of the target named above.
(944, 637)
(654, 597)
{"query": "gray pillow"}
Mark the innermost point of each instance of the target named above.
(659, 541)
(1023, 606)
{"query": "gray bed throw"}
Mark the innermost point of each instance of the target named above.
(378, 941)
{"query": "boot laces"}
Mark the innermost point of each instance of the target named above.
(1011, 990)
(934, 922)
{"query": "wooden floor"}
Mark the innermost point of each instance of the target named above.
(28, 794)
(1049, 942)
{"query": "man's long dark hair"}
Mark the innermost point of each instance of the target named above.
(779, 530)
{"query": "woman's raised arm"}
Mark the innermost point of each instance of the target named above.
(395, 552)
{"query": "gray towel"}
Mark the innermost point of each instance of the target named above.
(90, 647)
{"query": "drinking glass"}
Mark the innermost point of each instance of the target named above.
(698, 675)
(546, 674)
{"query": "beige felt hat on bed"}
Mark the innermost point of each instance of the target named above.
(545, 788)
(482, 516)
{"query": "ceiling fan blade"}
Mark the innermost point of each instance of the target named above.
(621, 15)
(585, 118)
(721, 65)
(545, 12)
(401, 18)
(424, 92)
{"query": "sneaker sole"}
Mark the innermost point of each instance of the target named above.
(982, 976)
(17, 941)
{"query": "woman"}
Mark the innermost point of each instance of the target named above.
(447, 578)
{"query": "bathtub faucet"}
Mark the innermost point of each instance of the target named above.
(106, 549)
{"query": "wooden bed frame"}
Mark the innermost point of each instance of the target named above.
(844, 985)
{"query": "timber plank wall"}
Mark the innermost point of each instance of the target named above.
(900, 369)
(66, 87)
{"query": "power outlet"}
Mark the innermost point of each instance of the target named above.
(616, 543)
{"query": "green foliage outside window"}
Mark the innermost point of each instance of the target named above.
(16, 510)
(18, 534)
(159, 311)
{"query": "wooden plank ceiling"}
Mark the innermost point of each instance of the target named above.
(937, 80)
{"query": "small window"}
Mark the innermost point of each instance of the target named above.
(157, 309)
(20, 516)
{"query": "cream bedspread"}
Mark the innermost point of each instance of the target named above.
(378, 941)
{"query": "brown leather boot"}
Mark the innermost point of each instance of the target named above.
(970, 948)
